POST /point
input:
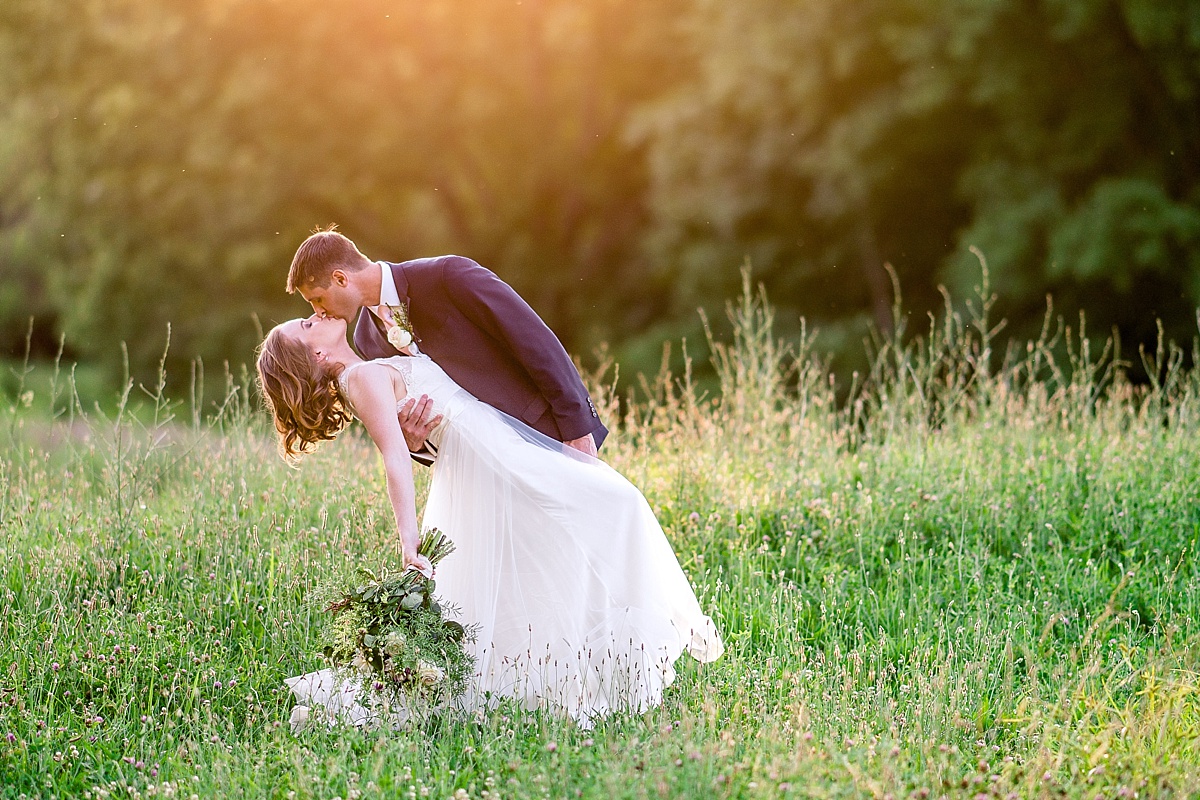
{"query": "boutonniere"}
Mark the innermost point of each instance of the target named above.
(400, 335)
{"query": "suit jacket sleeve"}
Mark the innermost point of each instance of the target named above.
(497, 309)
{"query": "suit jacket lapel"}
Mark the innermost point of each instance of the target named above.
(400, 278)
(371, 332)
(380, 330)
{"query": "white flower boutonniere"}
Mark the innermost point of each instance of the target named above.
(400, 335)
(399, 338)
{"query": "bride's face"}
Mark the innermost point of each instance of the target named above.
(319, 334)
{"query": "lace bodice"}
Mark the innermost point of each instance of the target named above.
(421, 376)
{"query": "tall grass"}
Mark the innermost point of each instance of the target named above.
(975, 576)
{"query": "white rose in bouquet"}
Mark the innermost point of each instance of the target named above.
(393, 643)
(429, 674)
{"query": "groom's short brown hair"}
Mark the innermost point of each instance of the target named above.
(319, 255)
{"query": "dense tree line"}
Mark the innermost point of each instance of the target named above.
(616, 161)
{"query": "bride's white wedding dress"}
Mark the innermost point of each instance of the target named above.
(581, 604)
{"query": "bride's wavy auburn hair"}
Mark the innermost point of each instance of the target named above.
(301, 393)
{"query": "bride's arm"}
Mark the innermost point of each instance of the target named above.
(370, 392)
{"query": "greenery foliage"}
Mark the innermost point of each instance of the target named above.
(975, 578)
(613, 160)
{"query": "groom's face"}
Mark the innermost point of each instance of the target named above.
(337, 299)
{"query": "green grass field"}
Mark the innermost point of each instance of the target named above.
(976, 578)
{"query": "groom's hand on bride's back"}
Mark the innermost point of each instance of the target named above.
(584, 444)
(417, 420)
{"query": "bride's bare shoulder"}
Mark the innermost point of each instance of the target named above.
(372, 377)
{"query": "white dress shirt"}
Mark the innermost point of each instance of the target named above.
(387, 288)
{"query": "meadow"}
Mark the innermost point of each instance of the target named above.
(971, 574)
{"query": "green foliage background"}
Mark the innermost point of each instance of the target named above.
(616, 161)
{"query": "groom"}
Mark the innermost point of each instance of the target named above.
(467, 320)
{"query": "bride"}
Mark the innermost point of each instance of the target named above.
(581, 604)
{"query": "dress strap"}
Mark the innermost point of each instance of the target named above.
(346, 372)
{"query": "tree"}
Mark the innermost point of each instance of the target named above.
(173, 157)
(1086, 180)
(822, 140)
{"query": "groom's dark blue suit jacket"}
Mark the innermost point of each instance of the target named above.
(490, 342)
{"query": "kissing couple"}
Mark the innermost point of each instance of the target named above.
(580, 604)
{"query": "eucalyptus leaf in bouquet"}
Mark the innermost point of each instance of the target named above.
(387, 629)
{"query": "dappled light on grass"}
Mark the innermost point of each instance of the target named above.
(975, 576)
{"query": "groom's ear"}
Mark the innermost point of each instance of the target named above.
(339, 277)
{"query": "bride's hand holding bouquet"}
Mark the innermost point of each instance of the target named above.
(414, 560)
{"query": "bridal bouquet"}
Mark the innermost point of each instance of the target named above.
(387, 629)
